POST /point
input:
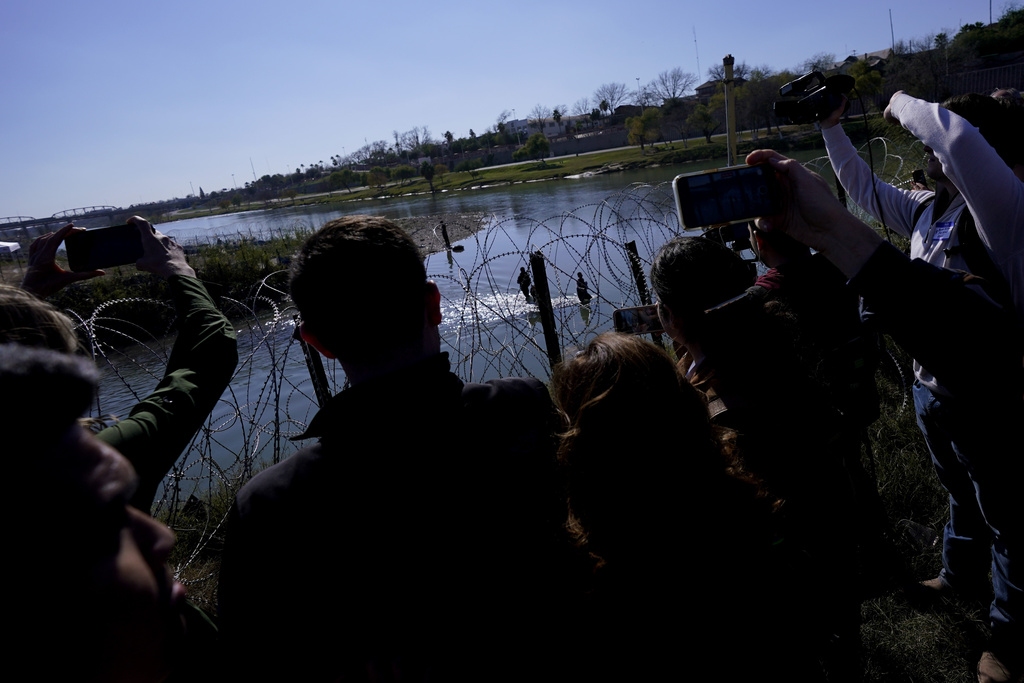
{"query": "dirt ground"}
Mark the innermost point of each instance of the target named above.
(426, 230)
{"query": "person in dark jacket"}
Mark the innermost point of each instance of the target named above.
(420, 533)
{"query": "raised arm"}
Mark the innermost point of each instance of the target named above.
(201, 364)
(892, 205)
(915, 301)
(994, 195)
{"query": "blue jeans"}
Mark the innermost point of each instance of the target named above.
(978, 458)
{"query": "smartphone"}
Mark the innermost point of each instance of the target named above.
(637, 320)
(726, 195)
(919, 177)
(103, 247)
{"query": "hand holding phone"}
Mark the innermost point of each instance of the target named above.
(118, 245)
(43, 276)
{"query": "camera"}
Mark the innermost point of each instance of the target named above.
(813, 97)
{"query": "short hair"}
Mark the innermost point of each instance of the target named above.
(693, 274)
(350, 268)
(1000, 125)
(28, 320)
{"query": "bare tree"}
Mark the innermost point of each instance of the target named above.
(612, 93)
(822, 62)
(582, 107)
(672, 84)
(537, 116)
(739, 70)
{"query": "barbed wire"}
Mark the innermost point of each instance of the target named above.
(489, 330)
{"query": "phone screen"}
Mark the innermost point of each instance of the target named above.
(637, 320)
(103, 247)
(726, 195)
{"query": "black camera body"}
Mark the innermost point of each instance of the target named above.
(814, 97)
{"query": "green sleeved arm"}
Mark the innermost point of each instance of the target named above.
(201, 364)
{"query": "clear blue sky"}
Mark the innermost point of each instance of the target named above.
(115, 102)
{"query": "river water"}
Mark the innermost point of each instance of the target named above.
(489, 328)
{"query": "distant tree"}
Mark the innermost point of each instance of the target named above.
(469, 166)
(702, 119)
(556, 115)
(612, 93)
(645, 97)
(403, 173)
(225, 203)
(449, 138)
(644, 128)
(821, 61)
(378, 176)
(537, 116)
(604, 107)
(427, 171)
(866, 80)
(202, 195)
(537, 147)
(672, 84)
(343, 178)
(756, 105)
(237, 200)
(439, 171)
(582, 107)
(673, 117)
(740, 70)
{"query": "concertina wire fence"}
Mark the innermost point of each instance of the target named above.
(490, 331)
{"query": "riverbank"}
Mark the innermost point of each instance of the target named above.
(426, 232)
(676, 153)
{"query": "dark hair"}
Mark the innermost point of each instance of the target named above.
(637, 435)
(351, 267)
(48, 390)
(693, 274)
(1000, 125)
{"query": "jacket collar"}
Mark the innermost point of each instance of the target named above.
(429, 377)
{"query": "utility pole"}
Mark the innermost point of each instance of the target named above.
(730, 109)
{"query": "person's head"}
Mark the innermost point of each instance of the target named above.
(28, 320)
(1009, 96)
(355, 266)
(100, 601)
(634, 424)
(998, 124)
(691, 275)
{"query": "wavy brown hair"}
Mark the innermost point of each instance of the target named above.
(640, 453)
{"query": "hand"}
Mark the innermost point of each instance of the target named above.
(813, 216)
(160, 254)
(44, 277)
(888, 115)
(833, 118)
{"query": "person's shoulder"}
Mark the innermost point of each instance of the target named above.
(507, 392)
(290, 480)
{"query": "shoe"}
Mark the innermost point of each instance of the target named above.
(992, 670)
(924, 594)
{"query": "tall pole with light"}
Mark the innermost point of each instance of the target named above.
(730, 109)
